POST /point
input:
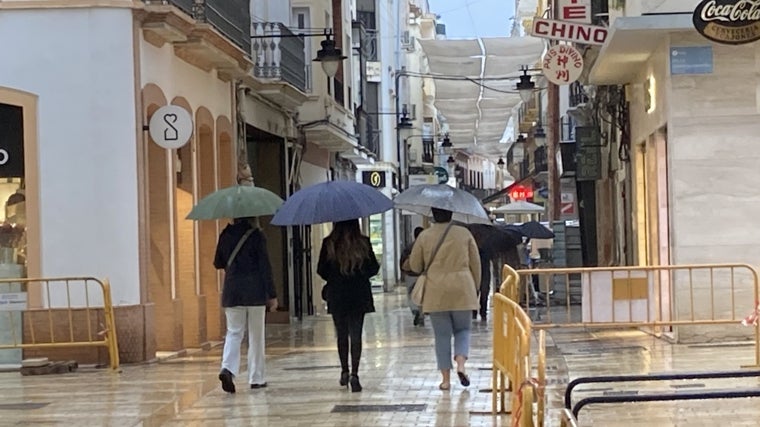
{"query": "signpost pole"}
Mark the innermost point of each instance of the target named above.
(552, 143)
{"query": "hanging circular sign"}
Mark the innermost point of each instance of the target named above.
(728, 21)
(562, 64)
(171, 126)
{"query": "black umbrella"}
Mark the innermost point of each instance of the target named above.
(531, 230)
(494, 239)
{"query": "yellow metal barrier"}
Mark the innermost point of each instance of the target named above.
(510, 287)
(568, 420)
(540, 395)
(55, 313)
(647, 296)
(511, 357)
(610, 297)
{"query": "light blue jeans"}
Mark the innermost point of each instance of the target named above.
(446, 324)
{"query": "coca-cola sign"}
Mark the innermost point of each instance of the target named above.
(728, 21)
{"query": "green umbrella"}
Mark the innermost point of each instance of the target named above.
(238, 201)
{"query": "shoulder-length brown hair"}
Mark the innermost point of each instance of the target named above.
(347, 246)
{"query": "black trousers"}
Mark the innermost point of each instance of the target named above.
(348, 328)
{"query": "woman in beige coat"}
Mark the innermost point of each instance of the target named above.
(451, 290)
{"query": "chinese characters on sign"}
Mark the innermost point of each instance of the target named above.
(575, 10)
(562, 64)
(520, 192)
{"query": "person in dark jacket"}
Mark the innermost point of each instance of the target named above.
(346, 263)
(248, 291)
(485, 284)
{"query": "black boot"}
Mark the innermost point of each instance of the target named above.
(355, 384)
(344, 378)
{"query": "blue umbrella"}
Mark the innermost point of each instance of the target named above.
(331, 201)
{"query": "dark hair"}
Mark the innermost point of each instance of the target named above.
(441, 215)
(347, 246)
(417, 231)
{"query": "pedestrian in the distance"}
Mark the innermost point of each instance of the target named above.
(449, 257)
(248, 291)
(346, 263)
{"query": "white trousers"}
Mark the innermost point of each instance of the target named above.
(237, 317)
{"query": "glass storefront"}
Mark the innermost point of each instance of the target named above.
(12, 226)
(376, 239)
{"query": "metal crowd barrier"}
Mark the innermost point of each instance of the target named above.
(512, 363)
(56, 313)
(643, 296)
(510, 287)
(661, 396)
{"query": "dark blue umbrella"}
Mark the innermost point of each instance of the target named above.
(532, 230)
(331, 201)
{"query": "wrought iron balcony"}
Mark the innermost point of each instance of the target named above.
(369, 135)
(540, 160)
(428, 150)
(577, 95)
(232, 18)
(279, 55)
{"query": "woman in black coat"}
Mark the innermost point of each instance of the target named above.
(248, 291)
(346, 263)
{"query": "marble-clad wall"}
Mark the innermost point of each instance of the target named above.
(714, 173)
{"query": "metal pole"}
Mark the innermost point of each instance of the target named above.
(400, 149)
(552, 143)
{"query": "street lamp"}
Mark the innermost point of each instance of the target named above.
(451, 165)
(525, 86)
(521, 139)
(448, 147)
(539, 136)
(329, 56)
(500, 163)
(404, 122)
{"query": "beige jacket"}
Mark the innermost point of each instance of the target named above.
(453, 278)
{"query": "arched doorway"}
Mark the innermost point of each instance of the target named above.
(207, 230)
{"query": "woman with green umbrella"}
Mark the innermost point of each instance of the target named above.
(248, 282)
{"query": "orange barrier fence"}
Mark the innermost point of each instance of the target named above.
(55, 313)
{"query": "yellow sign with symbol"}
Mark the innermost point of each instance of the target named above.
(374, 178)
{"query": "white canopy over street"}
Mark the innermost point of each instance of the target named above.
(478, 111)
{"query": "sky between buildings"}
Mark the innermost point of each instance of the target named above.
(475, 18)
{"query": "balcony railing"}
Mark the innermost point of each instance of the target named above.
(525, 167)
(369, 44)
(428, 151)
(369, 135)
(278, 54)
(540, 161)
(232, 18)
(577, 95)
(339, 94)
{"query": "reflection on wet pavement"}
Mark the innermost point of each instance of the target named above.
(399, 378)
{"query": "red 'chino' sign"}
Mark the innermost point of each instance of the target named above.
(569, 31)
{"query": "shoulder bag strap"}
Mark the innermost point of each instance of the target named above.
(435, 251)
(239, 245)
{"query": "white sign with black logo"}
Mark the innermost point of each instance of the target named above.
(171, 127)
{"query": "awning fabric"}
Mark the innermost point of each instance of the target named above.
(478, 113)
